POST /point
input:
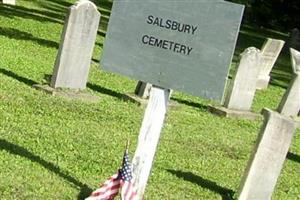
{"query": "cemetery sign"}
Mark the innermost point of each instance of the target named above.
(183, 45)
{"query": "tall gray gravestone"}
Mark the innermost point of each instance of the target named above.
(242, 89)
(268, 157)
(270, 52)
(11, 2)
(76, 47)
(290, 104)
(182, 45)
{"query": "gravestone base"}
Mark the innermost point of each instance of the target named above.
(262, 83)
(136, 99)
(10, 2)
(229, 113)
(68, 93)
(143, 102)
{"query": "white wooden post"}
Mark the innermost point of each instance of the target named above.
(149, 137)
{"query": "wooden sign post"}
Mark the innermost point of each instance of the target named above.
(182, 45)
(149, 137)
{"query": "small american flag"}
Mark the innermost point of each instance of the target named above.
(128, 191)
(122, 179)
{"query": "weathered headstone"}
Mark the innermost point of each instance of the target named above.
(77, 42)
(270, 52)
(158, 43)
(11, 2)
(242, 92)
(242, 89)
(290, 104)
(75, 52)
(268, 156)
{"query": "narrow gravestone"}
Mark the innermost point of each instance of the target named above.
(290, 104)
(77, 43)
(158, 43)
(268, 156)
(242, 89)
(75, 52)
(270, 52)
(11, 2)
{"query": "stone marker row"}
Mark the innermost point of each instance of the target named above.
(273, 142)
(77, 42)
(253, 72)
(75, 52)
(164, 46)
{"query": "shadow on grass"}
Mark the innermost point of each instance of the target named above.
(227, 194)
(189, 103)
(27, 81)
(101, 33)
(21, 151)
(53, 7)
(60, 3)
(28, 13)
(280, 80)
(96, 61)
(293, 157)
(100, 44)
(21, 35)
(106, 91)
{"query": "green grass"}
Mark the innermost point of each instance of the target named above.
(53, 148)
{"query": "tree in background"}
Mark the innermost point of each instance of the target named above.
(282, 15)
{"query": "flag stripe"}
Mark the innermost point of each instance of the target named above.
(116, 187)
(110, 189)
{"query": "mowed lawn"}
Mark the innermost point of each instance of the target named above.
(54, 148)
